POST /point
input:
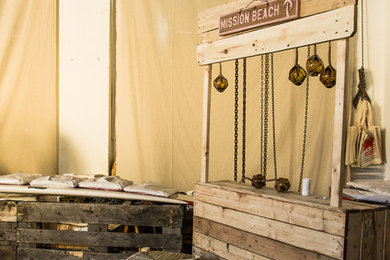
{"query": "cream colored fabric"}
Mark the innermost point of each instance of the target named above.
(28, 91)
(159, 98)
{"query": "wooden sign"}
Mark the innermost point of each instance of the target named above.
(269, 12)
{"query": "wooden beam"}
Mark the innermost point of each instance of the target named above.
(332, 25)
(206, 123)
(209, 19)
(338, 167)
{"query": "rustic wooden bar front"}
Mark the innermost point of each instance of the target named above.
(237, 221)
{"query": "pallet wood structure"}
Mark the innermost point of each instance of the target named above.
(234, 220)
(31, 230)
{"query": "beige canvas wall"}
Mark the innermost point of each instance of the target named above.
(28, 89)
(160, 90)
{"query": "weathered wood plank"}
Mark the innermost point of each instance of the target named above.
(142, 215)
(252, 242)
(332, 222)
(379, 226)
(316, 241)
(7, 211)
(39, 254)
(386, 243)
(367, 246)
(8, 234)
(8, 225)
(204, 177)
(97, 228)
(109, 239)
(7, 252)
(353, 236)
(202, 254)
(105, 256)
(222, 249)
(340, 120)
(209, 19)
(336, 24)
(293, 197)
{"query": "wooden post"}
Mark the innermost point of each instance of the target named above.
(338, 167)
(204, 177)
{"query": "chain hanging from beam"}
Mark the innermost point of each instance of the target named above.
(243, 119)
(304, 128)
(236, 120)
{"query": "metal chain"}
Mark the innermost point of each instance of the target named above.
(273, 114)
(236, 121)
(261, 112)
(243, 118)
(266, 92)
(304, 127)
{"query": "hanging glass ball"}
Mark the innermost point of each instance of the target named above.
(297, 75)
(282, 185)
(328, 77)
(220, 83)
(314, 65)
(258, 181)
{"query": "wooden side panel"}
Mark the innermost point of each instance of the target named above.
(142, 215)
(319, 242)
(386, 248)
(209, 19)
(336, 24)
(332, 222)
(224, 250)
(353, 236)
(252, 242)
(368, 236)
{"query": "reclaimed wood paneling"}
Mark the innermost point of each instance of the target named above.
(141, 215)
(252, 242)
(332, 222)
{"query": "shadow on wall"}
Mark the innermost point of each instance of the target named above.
(69, 161)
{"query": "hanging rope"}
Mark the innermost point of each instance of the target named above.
(304, 127)
(236, 121)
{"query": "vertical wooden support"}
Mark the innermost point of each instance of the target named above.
(204, 177)
(338, 167)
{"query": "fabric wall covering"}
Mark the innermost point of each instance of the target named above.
(159, 104)
(28, 88)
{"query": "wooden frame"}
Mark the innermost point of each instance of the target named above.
(337, 23)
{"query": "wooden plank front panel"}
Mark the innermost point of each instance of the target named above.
(222, 249)
(254, 243)
(109, 239)
(353, 236)
(332, 222)
(142, 215)
(386, 243)
(336, 24)
(308, 239)
(209, 19)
